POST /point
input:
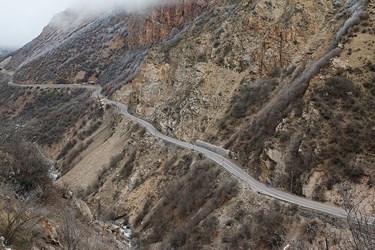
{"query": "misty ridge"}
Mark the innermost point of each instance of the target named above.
(85, 10)
(99, 6)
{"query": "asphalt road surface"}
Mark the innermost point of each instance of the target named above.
(220, 160)
(234, 169)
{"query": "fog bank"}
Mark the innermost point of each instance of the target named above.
(21, 21)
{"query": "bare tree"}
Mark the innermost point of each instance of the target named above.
(361, 222)
(20, 218)
(362, 227)
(70, 235)
(30, 170)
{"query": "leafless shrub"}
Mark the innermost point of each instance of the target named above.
(370, 85)
(310, 231)
(71, 237)
(319, 194)
(364, 15)
(50, 114)
(361, 224)
(19, 218)
(68, 146)
(127, 169)
(340, 87)
(267, 229)
(145, 210)
(177, 239)
(29, 171)
(192, 198)
(69, 158)
(93, 127)
(275, 72)
(251, 95)
(116, 159)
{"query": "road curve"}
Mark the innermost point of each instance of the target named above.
(220, 160)
(234, 169)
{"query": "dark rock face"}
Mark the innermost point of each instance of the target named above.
(160, 22)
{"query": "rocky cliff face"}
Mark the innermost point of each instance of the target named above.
(222, 80)
(108, 48)
(160, 22)
(238, 74)
(225, 48)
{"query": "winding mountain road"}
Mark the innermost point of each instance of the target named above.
(220, 160)
(234, 169)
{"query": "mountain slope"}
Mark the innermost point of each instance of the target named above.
(238, 74)
(234, 72)
(108, 48)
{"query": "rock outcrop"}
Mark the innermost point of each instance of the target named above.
(269, 81)
(160, 22)
(108, 48)
(238, 75)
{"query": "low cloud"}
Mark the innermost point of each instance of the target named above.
(129, 5)
(21, 21)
